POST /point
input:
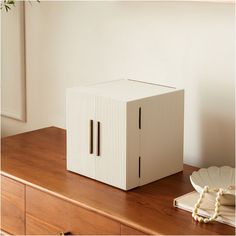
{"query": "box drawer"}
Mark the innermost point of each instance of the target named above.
(35, 226)
(65, 216)
(12, 206)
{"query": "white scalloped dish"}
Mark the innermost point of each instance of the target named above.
(215, 178)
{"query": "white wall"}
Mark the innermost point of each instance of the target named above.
(188, 45)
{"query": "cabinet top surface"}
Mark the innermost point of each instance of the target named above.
(124, 90)
(38, 159)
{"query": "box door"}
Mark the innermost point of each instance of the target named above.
(161, 141)
(80, 133)
(110, 141)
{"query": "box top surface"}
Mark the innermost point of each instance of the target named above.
(125, 90)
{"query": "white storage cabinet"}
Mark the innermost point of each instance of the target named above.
(125, 133)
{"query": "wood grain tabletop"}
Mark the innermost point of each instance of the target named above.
(38, 159)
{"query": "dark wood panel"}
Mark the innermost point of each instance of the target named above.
(12, 206)
(39, 157)
(66, 216)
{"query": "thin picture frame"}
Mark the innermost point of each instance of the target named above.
(13, 63)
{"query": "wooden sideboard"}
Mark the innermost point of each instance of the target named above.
(39, 196)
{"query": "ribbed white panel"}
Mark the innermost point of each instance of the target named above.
(80, 110)
(162, 136)
(111, 164)
(133, 145)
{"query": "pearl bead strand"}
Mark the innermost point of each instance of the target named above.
(217, 206)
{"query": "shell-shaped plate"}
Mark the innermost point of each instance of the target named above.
(214, 177)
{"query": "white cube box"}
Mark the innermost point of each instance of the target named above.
(125, 133)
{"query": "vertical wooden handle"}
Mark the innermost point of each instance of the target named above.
(139, 167)
(91, 137)
(98, 138)
(139, 117)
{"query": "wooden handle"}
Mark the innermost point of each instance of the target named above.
(139, 167)
(98, 138)
(139, 117)
(91, 137)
